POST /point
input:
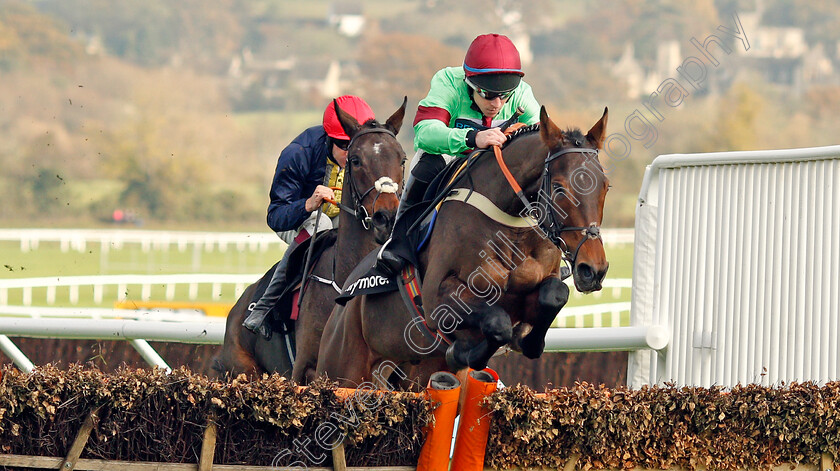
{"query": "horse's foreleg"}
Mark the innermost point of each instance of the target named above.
(308, 339)
(553, 295)
(497, 331)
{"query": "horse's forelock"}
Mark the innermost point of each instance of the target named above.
(574, 137)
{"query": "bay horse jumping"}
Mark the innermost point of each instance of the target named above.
(491, 269)
(374, 158)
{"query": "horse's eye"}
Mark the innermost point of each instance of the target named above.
(355, 161)
(558, 189)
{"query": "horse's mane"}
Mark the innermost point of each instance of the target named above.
(573, 136)
(523, 130)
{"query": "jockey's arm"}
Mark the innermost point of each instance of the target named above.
(287, 208)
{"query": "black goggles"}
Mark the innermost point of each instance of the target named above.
(487, 94)
(341, 144)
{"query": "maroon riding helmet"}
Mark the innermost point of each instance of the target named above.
(492, 63)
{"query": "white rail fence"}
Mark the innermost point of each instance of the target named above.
(606, 331)
(119, 284)
(37, 297)
(80, 239)
(123, 288)
(738, 254)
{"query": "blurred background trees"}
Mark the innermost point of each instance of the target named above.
(178, 111)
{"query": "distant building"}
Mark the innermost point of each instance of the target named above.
(319, 79)
(522, 41)
(817, 66)
(641, 80)
(263, 81)
(347, 17)
(781, 55)
(776, 42)
(260, 81)
(630, 71)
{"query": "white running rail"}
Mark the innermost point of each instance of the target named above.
(182, 325)
(121, 282)
(79, 239)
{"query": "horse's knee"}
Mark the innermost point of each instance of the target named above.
(496, 327)
(553, 295)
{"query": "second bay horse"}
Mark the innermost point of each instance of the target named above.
(374, 158)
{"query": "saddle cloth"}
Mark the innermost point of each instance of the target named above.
(365, 280)
(284, 313)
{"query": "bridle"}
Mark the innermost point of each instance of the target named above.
(550, 224)
(381, 185)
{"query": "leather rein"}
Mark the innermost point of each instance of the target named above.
(551, 225)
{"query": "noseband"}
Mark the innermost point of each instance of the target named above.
(381, 185)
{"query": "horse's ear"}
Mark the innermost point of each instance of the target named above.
(395, 121)
(549, 132)
(348, 122)
(598, 133)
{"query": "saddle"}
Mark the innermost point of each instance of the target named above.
(364, 280)
(285, 313)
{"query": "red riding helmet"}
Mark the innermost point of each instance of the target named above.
(351, 104)
(492, 63)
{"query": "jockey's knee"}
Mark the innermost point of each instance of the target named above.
(427, 167)
(316, 222)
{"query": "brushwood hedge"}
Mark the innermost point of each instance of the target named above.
(149, 415)
(747, 426)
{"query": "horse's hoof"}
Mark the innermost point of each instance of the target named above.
(453, 363)
(532, 347)
(478, 365)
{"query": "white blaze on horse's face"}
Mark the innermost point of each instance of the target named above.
(377, 148)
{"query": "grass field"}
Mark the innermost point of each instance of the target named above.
(48, 260)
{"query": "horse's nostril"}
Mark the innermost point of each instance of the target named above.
(585, 272)
(602, 274)
(380, 218)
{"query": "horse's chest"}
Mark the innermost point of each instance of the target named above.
(528, 275)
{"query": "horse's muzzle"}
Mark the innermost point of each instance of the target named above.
(587, 278)
(382, 222)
